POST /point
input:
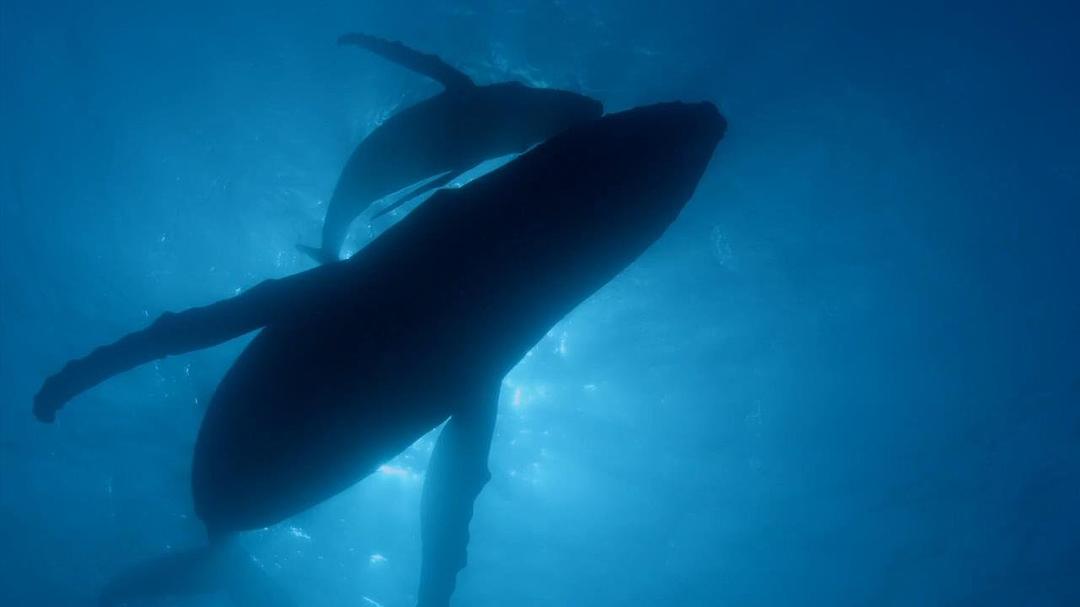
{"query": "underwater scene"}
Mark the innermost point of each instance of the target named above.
(484, 303)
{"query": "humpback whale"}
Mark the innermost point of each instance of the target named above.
(440, 138)
(355, 360)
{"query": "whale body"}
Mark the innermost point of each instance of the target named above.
(440, 138)
(356, 359)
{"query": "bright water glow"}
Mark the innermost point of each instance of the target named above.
(298, 532)
(393, 471)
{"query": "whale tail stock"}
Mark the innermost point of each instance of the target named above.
(222, 566)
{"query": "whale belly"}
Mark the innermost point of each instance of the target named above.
(294, 422)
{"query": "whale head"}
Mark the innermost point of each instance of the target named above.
(663, 150)
(640, 163)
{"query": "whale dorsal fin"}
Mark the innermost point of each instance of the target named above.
(421, 63)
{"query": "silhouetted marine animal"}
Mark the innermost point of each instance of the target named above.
(357, 359)
(441, 137)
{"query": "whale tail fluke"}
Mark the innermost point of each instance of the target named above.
(217, 568)
(422, 63)
(319, 254)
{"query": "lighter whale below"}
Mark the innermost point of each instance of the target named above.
(440, 138)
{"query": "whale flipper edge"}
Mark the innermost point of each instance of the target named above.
(422, 63)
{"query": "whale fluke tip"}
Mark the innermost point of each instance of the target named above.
(354, 38)
(421, 63)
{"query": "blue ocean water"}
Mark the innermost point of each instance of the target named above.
(847, 375)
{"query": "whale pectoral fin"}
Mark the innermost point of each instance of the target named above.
(318, 254)
(458, 470)
(422, 63)
(177, 333)
(434, 184)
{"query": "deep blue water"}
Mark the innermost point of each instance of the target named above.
(848, 375)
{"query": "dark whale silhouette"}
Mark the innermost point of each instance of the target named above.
(357, 359)
(441, 137)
